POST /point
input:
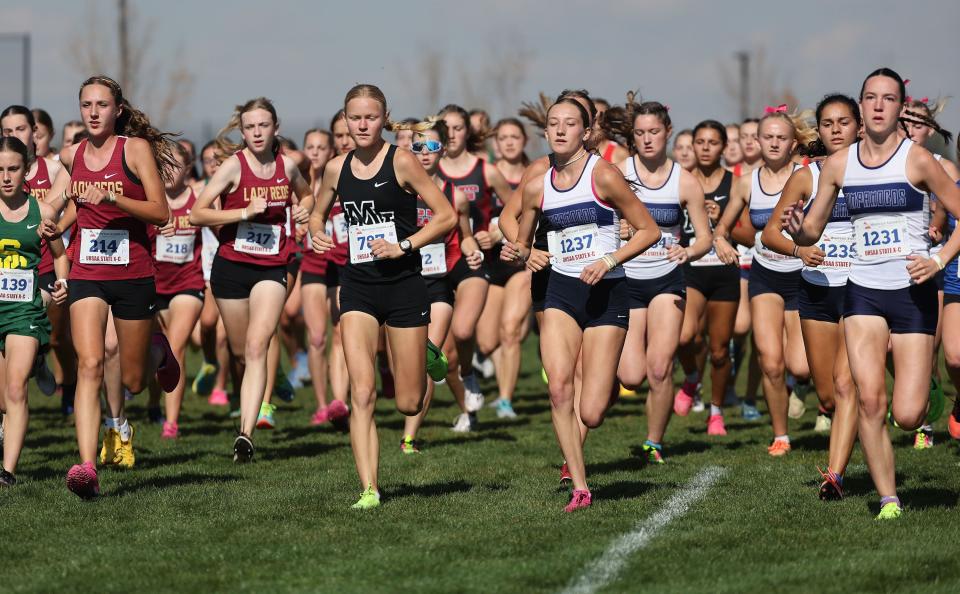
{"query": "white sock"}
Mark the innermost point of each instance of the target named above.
(124, 429)
(111, 422)
(715, 410)
(783, 438)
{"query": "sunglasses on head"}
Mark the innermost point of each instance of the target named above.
(426, 146)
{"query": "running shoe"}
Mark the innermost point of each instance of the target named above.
(282, 388)
(408, 445)
(953, 421)
(472, 397)
(796, 408)
(170, 431)
(464, 423)
(206, 379)
(823, 424)
(923, 439)
(580, 499)
(730, 396)
(111, 443)
(82, 481)
(43, 376)
(543, 375)
(369, 499)
(293, 378)
(124, 457)
(168, 372)
(436, 362)
(890, 511)
(698, 405)
(937, 401)
(652, 454)
(320, 417)
(242, 449)
(683, 401)
(235, 413)
(66, 399)
(565, 476)
(715, 425)
(484, 366)
(7, 479)
(218, 398)
(626, 392)
(155, 415)
(265, 419)
(749, 411)
(338, 414)
(505, 409)
(303, 368)
(779, 448)
(831, 489)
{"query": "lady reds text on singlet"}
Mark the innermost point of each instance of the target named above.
(836, 243)
(582, 228)
(110, 244)
(890, 219)
(663, 203)
(377, 208)
(761, 207)
(263, 239)
(178, 261)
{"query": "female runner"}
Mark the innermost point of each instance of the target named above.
(43, 134)
(586, 302)
(822, 284)
(503, 324)
(774, 278)
(381, 285)
(889, 296)
(24, 327)
(115, 191)
(249, 277)
(655, 278)
(683, 152)
(749, 147)
(732, 153)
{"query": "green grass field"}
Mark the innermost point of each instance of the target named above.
(478, 513)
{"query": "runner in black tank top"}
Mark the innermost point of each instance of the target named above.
(378, 188)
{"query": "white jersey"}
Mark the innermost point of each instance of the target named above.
(761, 207)
(581, 228)
(890, 219)
(935, 249)
(664, 206)
(209, 251)
(837, 242)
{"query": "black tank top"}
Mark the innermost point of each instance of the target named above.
(721, 195)
(379, 199)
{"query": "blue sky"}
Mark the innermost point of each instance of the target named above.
(305, 55)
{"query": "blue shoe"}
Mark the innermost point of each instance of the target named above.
(749, 412)
(505, 409)
(283, 389)
(206, 379)
(293, 379)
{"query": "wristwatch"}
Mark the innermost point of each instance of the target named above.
(406, 246)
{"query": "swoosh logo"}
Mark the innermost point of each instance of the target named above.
(41, 182)
(280, 180)
(32, 226)
(109, 176)
(380, 184)
(423, 313)
(32, 327)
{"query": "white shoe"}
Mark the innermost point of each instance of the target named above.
(462, 424)
(823, 424)
(698, 402)
(796, 408)
(485, 367)
(472, 397)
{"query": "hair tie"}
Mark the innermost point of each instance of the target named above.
(906, 82)
(925, 100)
(782, 108)
(666, 107)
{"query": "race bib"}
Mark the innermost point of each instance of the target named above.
(258, 239)
(340, 228)
(105, 246)
(881, 238)
(574, 244)
(16, 285)
(661, 249)
(839, 251)
(177, 249)
(433, 259)
(361, 236)
(766, 252)
(709, 259)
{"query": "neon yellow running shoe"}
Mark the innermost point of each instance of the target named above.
(369, 499)
(543, 375)
(111, 443)
(408, 445)
(124, 457)
(890, 511)
(205, 380)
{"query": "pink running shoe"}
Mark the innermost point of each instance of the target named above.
(82, 481)
(715, 425)
(565, 476)
(338, 414)
(168, 373)
(218, 398)
(320, 417)
(170, 430)
(581, 499)
(683, 401)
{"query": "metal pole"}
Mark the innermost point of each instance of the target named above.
(26, 69)
(124, 47)
(744, 58)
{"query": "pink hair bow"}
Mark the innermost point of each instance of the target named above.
(782, 108)
(923, 100)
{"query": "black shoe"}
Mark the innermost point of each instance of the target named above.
(66, 399)
(155, 414)
(242, 449)
(7, 479)
(43, 376)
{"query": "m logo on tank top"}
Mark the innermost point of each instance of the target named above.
(364, 213)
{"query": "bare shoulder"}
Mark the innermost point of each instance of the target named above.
(68, 154)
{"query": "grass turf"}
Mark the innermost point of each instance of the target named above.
(474, 513)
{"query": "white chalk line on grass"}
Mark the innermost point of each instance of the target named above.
(604, 570)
